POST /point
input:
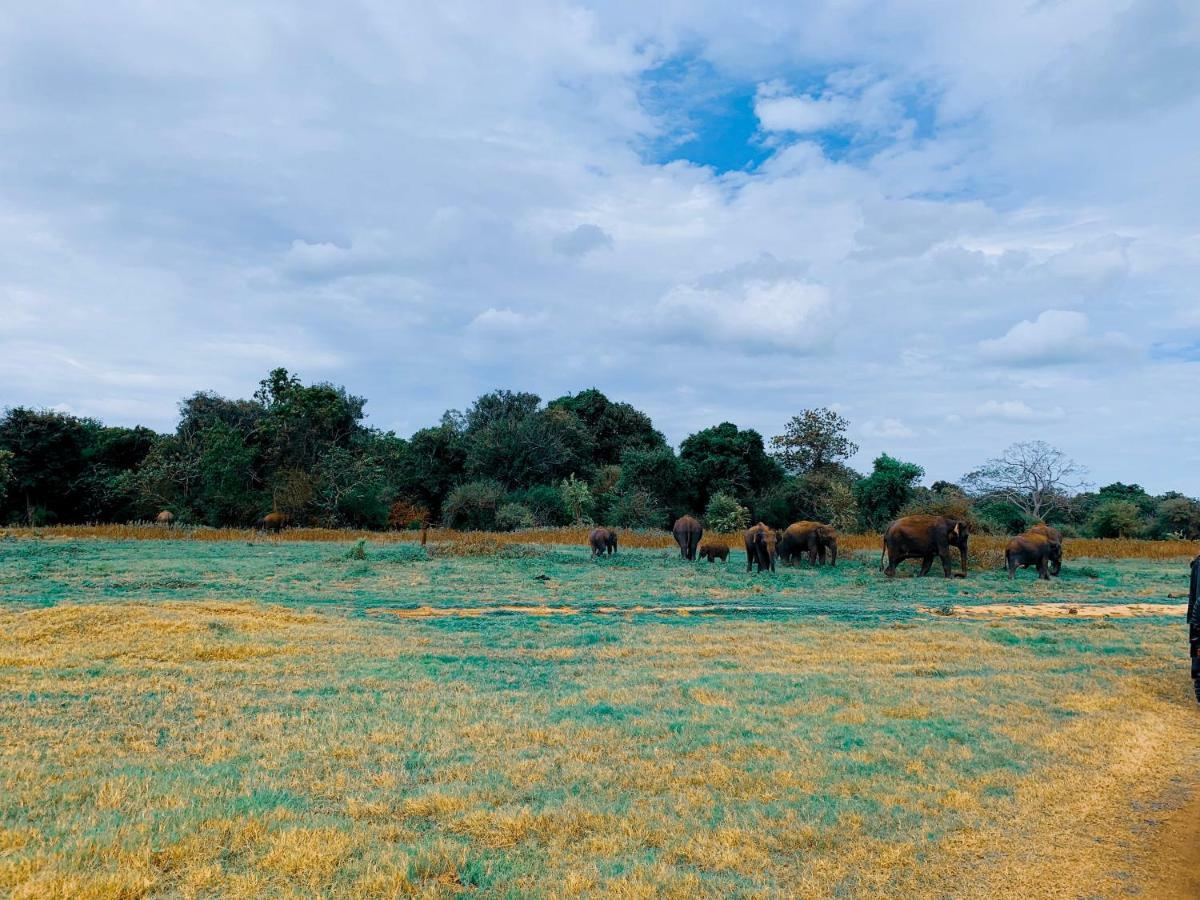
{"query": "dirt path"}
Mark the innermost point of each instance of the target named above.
(1057, 610)
(1175, 861)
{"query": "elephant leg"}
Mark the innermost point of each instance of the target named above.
(1011, 565)
(945, 557)
(1043, 571)
(926, 564)
(893, 561)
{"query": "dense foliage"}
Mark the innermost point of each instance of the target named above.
(511, 461)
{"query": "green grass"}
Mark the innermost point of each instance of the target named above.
(190, 718)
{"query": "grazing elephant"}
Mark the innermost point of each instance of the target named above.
(923, 538)
(1054, 535)
(687, 532)
(166, 518)
(275, 522)
(1032, 549)
(714, 551)
(603, 540)
(760, 547)
(1193, 618)
(812, 538)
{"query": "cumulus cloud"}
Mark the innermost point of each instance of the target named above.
(1055, 336)
(193, 197)
(1017, 411)
(582, 240)
(887, 428)
(784, 314)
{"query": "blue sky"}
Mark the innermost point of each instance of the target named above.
(963, 225)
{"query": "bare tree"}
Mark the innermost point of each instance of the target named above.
(1033, 476)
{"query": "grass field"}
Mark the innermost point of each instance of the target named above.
(236, 717)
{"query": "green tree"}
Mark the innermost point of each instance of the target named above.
(728, 460)
(658, 474)
(1115, 519)
(1178, 515)
(725, 515)
(6, 474)
(637, 508)
(473, 505)
(615, 428)
(577, 498)
(883, 493)
(511, 516)
(226, 494)
(813, 440)
(434, 462)
(47, 463)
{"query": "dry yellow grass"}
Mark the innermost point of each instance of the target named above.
(243, 749)
(986, 546)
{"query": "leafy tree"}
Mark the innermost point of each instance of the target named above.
(725, 515)
(1178, 516)
(659, 474)
(883, 493)
(6, 473)
(636, 508)
(1033, 476)
(728, 460)
(435, 461)
(303, 422)
(47, 450)
(508, 438)
(577, 498)
(226, 494)
(545, 503)
(473, 505)
(1115, 519)
(511, 516)
(813, 440)
(615, 428)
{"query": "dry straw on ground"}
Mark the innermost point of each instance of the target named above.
(987, 547)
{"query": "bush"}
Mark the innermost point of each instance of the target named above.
(1115, 519)
(404, 514)
(511, 516)
(724, 514)
(637, 508)
(577, 498)
(545, 502)
(472, 506)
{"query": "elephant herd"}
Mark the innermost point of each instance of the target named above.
(920, 537)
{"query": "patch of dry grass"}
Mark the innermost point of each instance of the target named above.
(238, 748)
(988, 549)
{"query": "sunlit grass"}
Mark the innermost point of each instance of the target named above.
(197, 719)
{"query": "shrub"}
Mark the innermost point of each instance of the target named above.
(511, 516)
(637, 508)
(725, 515)
(1115, 519)
(473, 505)
(577, 498)
(406, 515)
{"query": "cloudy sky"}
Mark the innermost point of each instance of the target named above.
(962, 224)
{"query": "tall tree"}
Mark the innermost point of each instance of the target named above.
(813, 440)
(614, 427)
(881, 494)
(724, 458)
(1033, 476)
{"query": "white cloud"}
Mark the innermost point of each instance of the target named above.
(582, 240)
(887, 428)
(1056, 336)
(1017, 411)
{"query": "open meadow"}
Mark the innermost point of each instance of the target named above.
(255, 716)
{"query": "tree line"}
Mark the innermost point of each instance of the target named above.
(511, 461)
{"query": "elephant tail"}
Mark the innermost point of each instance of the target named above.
(883, 556)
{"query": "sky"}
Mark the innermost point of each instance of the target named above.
(960, 224)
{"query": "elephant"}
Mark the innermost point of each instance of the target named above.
(687, 532)
(1193, 619)
(923, 538)
(1054, 535)
(603, 540)
(166, 518)
(760, 547)
(714, 551)
(812, 538)
(275, 522)
(1032, 549)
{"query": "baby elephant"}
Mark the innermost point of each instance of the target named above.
(714, 551)
(1033, 549)
(603, 540)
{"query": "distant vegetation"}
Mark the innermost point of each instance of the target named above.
(510, 461)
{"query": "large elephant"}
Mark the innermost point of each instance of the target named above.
(1054, 535)
(687, 532)
(603, 540)
(1032, 549)
(1193, 618)
(923, 538)
(812, 538)
(275, 522)
(760, 547)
